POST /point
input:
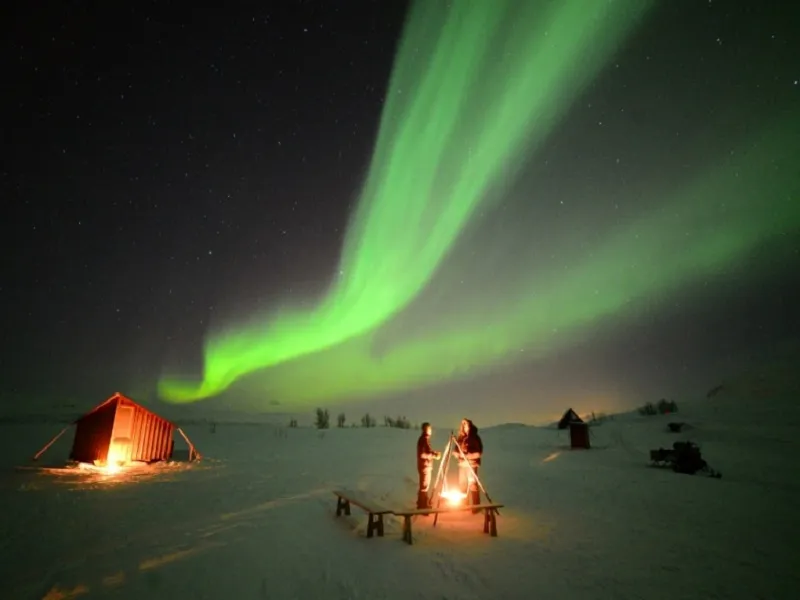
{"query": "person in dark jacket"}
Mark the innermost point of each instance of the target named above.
(469, 460)
(425, 457)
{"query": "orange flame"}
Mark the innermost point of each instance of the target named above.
(453, 497)
(115, 461)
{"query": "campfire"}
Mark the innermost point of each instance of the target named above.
(453, 497)
(445, 495)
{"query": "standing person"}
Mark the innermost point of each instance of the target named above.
(472, 449)
(425, 457)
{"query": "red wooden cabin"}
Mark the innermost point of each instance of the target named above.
(120, 431)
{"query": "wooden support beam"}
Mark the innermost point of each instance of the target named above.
(193, 453)
(50, 443)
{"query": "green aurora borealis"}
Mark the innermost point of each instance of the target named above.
(475, 90)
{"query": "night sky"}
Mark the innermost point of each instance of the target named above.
(171, 172)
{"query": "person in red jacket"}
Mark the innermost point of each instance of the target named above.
(471, 449)
(425, 457)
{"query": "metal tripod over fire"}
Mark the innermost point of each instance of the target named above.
(440, 486)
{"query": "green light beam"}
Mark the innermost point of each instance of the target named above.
(714, 222)
(476, 85)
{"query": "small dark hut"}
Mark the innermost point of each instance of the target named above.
(579, 436)
(569, 417)
(578, 429)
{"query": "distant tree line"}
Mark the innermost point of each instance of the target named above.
(662, 407)
(322, 420)
(398, 422)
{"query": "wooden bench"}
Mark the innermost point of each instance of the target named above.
(374, 511)
(489, 517)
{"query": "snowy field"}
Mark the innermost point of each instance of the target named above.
(255, 519)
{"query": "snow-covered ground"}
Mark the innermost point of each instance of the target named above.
(255, 519)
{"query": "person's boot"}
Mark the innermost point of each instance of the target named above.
(476, 499)
(422, 500)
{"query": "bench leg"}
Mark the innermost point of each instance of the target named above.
(342, 506)
(490, 522)
(407, 530)
(374, 525)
